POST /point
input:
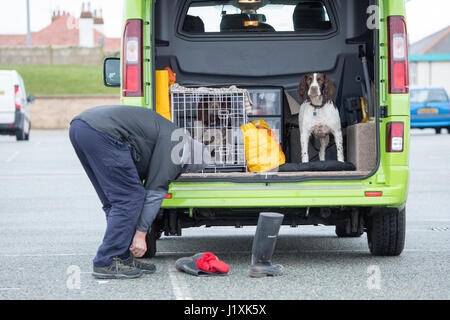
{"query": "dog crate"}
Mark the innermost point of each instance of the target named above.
(214, 116)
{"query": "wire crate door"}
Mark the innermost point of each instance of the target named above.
(214, 119)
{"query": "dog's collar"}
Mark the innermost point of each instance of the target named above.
(316, 106)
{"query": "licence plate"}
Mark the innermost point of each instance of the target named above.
(422, 111)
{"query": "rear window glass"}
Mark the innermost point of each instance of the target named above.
(421, 96)
(239, 16)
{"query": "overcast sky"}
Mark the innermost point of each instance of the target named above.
(424, 16)
(13, 14)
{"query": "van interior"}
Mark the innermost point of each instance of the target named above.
(267, 46)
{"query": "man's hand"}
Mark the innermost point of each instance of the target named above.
(139, 245)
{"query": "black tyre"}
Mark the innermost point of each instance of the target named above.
(438, 130)
(27, 135)
(341, 232)
(20, 135)
(151, 238)
(386, 231)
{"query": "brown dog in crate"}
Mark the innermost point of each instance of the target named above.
(214, 116)
(213, 125)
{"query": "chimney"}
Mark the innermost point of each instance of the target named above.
(56, 15)
(99, 24)
(86, 27)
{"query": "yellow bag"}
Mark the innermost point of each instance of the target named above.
(262, 147)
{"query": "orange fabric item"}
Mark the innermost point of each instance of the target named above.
(172, 76)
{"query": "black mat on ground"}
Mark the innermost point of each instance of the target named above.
(317, 166)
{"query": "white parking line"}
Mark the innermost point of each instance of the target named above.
(43, 255)
(7, 289)
(13, 156)
(45, 174)
(180, 290)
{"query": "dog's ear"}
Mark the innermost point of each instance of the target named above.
(328, 90)
(303, 89)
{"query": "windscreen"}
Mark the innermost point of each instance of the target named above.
(238, 17)
(422, 96)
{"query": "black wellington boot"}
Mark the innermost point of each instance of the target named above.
(264, 245)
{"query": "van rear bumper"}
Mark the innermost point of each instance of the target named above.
(8, 128)
(11, 128)
(430, 121)
(289, 196)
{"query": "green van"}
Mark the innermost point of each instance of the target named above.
(267, 46)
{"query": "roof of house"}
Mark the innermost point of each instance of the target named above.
(437, 43)
(62, 32)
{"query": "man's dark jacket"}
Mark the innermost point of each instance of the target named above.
(149, 138)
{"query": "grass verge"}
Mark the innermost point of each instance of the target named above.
(63, 80)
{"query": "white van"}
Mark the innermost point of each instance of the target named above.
(14, 108)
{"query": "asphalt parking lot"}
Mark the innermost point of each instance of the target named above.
(51, 224)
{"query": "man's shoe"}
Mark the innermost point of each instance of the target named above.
(147, 268)
(117, 270)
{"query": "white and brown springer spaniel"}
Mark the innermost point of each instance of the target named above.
(319, 115)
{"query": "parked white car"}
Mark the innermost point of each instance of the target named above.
(14, 106)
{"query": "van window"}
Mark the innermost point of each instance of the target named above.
(255, 16)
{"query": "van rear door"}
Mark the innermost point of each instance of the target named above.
(7, 98)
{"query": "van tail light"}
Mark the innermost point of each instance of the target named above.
(17, 97)
(395, 132)
(398, 55)
(132, 59)
(373, 194)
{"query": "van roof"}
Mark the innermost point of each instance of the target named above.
(10, 72)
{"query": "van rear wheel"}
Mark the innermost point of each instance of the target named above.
(386, 231)
(27, 134)
(20, 135)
